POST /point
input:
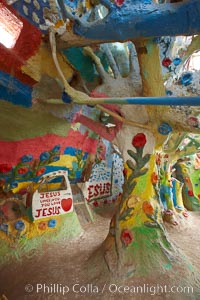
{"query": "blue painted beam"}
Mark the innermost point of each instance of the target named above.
(137, 19)
(14, 91)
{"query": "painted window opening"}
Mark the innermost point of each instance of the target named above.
(10, 27)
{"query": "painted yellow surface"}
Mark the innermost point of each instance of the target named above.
(64, 161)
(31, 230)
(42, 63)
(136, 201)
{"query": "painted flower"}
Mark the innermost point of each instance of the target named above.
(119, 2)
(176, 61)
(190, 193)
(27, 158)
(42, 225)
(19, 225)
(52, 223)
(85, 156)
(56, 148)
(125, 172)
(95, 203)
(147, 208)
(126, 237)
(164, 128)
(13, 185)
(40, 171)
(193, 121)
(154, 178)
(132, 201)
(5, 168)
(198, 196)
(158, 159)
(166, 62)
(22, 170)
(139, 140)
(44, 156)
(186, 79)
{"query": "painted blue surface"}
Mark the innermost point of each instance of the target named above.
(27, 8)
(14, 91)
(136, 19)
(174, 192)
(192, 101)
(165, 193)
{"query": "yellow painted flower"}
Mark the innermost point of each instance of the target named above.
(132, 201)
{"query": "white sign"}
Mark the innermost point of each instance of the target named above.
(97, 190)
(53, 202)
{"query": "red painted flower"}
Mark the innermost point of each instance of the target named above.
(193, 121)
(22, 170)
(190, 193)
(125, 172)
(199, 196)
(40, 171)
(154, 178)
(4, 168)
(139, 140)
(166, 62)
(95, 203)
(126, 237)
(158, 159)
(119, 2)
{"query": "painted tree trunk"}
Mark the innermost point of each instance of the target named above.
(137, 237)
(137, 243)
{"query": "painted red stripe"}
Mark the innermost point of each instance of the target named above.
(11, 152)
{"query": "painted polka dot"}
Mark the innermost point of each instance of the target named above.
(35, 18)
(25, 10)
(36, 4)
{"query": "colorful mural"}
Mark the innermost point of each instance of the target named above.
(101, 123)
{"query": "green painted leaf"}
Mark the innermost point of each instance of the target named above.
(130, 164)
(126, 213)
(133, 155)
(151, 224)
(146, 158)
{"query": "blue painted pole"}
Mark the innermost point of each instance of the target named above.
(186, 101)
(190, 101)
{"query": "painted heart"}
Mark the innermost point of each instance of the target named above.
(66, 204)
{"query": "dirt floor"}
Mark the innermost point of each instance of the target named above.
(62, 271)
